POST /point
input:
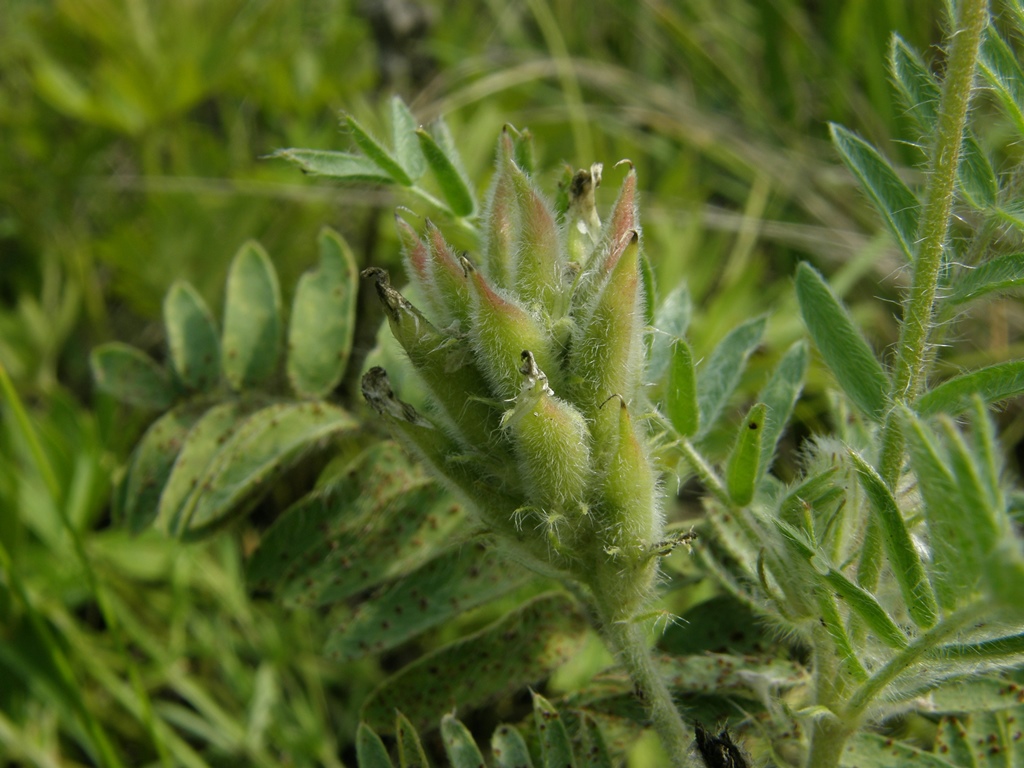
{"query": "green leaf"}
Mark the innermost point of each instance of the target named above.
(191, 337)
(982, 739)
(323, 319)
(903, 557)
(671, 319)
(453, 582)
(345, 166)
(681, 390)
(992, 384)
(509, 748)
(198, 448)
(780, 395)
(251, 340)
(743, 467)
(410, 748)
(270, 441)
(522, 647)
(403, 138)
(892, 198)
(152, 462)
(869, 750)
(860, 601)
(978, 694)
(1000, 274)
(555, 746)
(978, 182)
(841, 345)
(917, 87)
(370, 750)
(717, 380)
(131, 376)
(1000, 67)
(459, 745)
(376, 151)
(384, 516)
(438, 149)
(593, 751)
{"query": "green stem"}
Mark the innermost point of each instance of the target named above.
(919, 308)
(627, 639)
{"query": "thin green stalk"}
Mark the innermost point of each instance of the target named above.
(705, 472)
(918, 311)
(627, 639)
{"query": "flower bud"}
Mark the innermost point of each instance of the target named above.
(501, 329)
(444, 363)
(583, 224)
(500, 218)
(539, 268)
(607, 350)
(449, 278)
(551, 442)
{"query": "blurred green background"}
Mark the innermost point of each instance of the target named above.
(133, 144)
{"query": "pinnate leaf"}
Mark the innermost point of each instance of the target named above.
(344, 166)
(1003, 273)
(992, 384)
(438, 150)
(377, 152)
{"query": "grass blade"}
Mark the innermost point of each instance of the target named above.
(892, 198)
(842, 347)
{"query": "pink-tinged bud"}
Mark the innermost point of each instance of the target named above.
(414, 255)
(449, 277)
(552, 444)
(444, 363)
(623, 218)
(540, 278)
(607, 352)
(501, 217)
(501, 330)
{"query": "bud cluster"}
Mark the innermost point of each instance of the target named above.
(533, 354)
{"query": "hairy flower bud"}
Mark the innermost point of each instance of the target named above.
(551, 442)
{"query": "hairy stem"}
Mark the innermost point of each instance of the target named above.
(918, 308)
(627, 639)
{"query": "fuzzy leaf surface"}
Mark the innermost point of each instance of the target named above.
(455, 581)
(131, 376)
(403, 139)
(779, 396)
(718, 378)
(892, 198)
(323, 319)
(191, 337)
(344, 166)
(251, 339)
(555, 746)
(523, 647)
(377, 152)
(459, 744)
(440, 155)
(870, 750)
(681, 390)
(270, 441)
(845, 351)
(671, 319)
(370, 750)
(992, 384)
(1003, 273)
(509, 748)
(152, 462)
(1000, 67)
